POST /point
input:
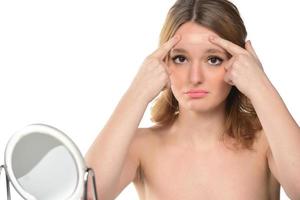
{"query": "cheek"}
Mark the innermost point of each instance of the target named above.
(177, 77)
(217, 78)
(178, 81)
(218, 84)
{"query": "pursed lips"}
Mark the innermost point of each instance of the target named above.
(196, 91)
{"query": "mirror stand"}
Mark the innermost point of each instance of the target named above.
(90, 172)
(7, 182)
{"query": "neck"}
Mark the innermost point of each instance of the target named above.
(199, 127)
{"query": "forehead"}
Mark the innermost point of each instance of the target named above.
(194, 35)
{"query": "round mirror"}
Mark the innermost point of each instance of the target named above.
(43, 163)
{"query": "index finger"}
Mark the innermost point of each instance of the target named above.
(232, 48)
(162, 51)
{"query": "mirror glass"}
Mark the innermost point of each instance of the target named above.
(44, 167)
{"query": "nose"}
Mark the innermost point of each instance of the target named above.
(196, 73)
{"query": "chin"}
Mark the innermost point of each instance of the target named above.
(202, 106)
(197, 107)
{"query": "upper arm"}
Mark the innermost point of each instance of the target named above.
(130, 170)
(287, 187)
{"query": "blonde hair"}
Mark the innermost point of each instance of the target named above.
(222, 17)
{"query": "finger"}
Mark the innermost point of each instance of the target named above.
(168, 70)
(229, 63)
(232, 48)
(249, 48)
(163, 51)
(167, 85)
(227, 79)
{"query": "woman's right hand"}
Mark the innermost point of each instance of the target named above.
(153, 75)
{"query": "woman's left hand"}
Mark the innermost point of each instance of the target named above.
(244, 70)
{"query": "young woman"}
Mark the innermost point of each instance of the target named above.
(221, 129)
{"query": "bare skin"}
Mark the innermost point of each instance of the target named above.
(185, 160)
(171, 169)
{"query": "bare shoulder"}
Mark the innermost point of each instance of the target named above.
(143, 135)
(144, 141)
(147, 137)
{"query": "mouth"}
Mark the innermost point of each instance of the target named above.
(196, 93)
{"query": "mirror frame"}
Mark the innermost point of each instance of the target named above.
(52, 132)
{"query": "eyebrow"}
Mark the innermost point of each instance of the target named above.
(211, 50)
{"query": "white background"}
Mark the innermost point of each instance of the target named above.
(67, 63)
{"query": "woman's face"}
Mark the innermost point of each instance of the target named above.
(196, 63)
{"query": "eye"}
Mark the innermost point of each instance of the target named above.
(178, 59)
(215, 60)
